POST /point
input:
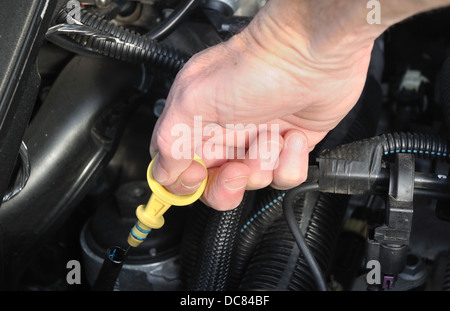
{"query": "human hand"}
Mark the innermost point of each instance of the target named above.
(296, 86)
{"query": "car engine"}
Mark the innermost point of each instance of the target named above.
(82, 86)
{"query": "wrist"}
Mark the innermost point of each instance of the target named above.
(313, 30)
(322, 25)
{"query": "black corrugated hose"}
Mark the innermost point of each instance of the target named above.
(192, 240)
(422, 145)
(268, 209)
(277, 263)
(96, 36)
(214, 251)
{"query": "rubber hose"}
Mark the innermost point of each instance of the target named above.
(178, 15)
(123, 44)
(268, 209)
(216, 249)
(276, 265)
(273, 263)
(191, 243)
(445, 91)
(420, 144)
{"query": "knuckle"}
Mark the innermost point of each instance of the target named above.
(162, 144)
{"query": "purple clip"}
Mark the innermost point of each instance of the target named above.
(388, 282)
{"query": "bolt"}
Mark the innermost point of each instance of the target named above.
(158, 106)
(137, 192)
(103, 3)
(414, 268)
(153, 252)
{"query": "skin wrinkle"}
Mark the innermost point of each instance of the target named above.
(321, 130)
(244, 112)
(234, 178)
(336, 70)
(277, 30)
(344, 17)
(332, 71)
(191, 187)
(271, 57)
(288, 63)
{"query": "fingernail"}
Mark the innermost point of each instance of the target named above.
(236, 183)
(295, 142)
(191, 184)
(159, 174)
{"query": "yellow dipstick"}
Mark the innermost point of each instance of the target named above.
(150, 216)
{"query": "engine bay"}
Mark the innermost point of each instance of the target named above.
(75, 150)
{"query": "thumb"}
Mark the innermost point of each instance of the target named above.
(173, 146)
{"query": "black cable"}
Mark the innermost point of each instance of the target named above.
(178, 15)
(68, 44)
(100, 37)
(110, 270)
(289, 200)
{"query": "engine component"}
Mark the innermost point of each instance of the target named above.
(69, 141)
(72, 189)
(235, 7)
(175, 18)
(155, 264)
(24, 24)
(111, 267)
(130, 275)
(208, 253)
(226, 7)
(356, 167)
(98, 3)
(298, 235)
(389, 244)
(150, 216)
(23, 175)
(94, 35)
